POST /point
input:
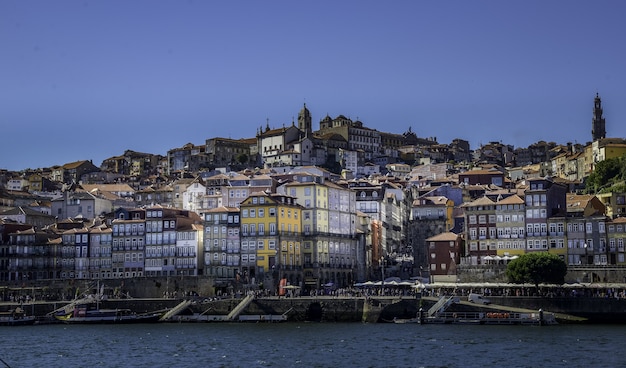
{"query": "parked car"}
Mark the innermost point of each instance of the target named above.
(478, 299)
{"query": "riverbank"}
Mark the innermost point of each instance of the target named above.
(356, 309)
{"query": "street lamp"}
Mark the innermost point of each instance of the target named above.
(382, 273)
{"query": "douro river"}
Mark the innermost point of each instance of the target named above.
(311, 345)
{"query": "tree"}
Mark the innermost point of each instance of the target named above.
(536, 268)
(606, 173)
(242, 158)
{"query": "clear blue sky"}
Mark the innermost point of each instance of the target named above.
(90, 79)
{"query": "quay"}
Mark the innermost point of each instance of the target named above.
(350, 309)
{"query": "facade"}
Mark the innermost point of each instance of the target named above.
(271, 239)
(222, 246)
(189, 247)
(359, 138)
(510, 226)
(482, 177)
(394, 214)
(79, 204)
(615, 203)
(433, 207)
(276, 145)
(329, 229)
(160, 225)
(239, 187)
(155, 195)
(72, 172)
(616, 238)
(481, 230)
(25, 215)
(544, 199)
(32, 255)
(445, 254)
(194, 196)
(188, 158)
(368, 197)
(128, 243)
(100, 247)
(226, 152)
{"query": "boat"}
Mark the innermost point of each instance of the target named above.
(481, 318)
(87, 310)
(16, 317)
(87, 314)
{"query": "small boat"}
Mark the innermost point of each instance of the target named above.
(16, 317)
(481, 318)
(85, 314)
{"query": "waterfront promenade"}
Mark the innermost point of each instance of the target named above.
(327, 308)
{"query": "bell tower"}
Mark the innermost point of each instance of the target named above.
(304, 121)
(598, 126)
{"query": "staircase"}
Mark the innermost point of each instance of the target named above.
(240, 307)
(174, 311)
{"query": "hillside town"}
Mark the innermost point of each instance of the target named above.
(324, 208)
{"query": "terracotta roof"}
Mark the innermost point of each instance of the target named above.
(578, 202)
(482, 201)
(223, 209)
(514, 199)
(108, 187)
(447, 236)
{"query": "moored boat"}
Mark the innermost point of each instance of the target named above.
(85, 314)
(16, 317)
(481, 318)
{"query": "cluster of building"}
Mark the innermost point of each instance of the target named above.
(324, 208)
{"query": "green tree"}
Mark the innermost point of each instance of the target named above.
(536, 268)
(606, 173)
(242, 158)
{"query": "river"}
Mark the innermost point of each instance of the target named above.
(311, 345)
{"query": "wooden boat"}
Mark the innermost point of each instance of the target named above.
(16, 317)
(86, 314)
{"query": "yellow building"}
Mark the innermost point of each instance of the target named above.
(271, 238)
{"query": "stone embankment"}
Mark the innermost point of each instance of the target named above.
(353, 309)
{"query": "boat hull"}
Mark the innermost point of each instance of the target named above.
(83, 315)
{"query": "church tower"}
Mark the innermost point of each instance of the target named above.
(598, 127)
(304, 121)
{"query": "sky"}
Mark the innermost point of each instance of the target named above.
(87, 80)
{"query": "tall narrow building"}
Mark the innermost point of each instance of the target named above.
(598, 128)
(304, 122)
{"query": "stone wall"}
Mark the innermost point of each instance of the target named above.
(581, 274)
